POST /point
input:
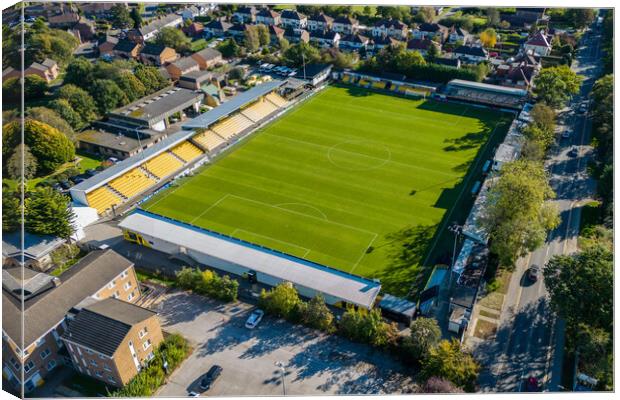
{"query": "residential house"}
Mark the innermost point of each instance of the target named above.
(238, 31)
(345, 25)
(524, 16)
(245, 14)
(458, 34)
(37, 249)
(293, 19)
(449, 62)
(354, 42)
(195, 80)
(48, 303)
(431, 31)
(84, 30)
(217, 28)
(47, 70)
(150, 30)
(192, 12)
(96, 9)
(296, 35)
(195, 29)
(63, 21)
(157, 54)
(125, 48)
(207, 58)
(325, 38)
(106, 44)
(112, 340)
(182, 66)
(390, 27)
(276, 33)
(538, 44)
(422, 45)
(471, 54)
(267, 16)
(379, 43)
(320, 22)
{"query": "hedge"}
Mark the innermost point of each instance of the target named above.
(174, 349)
(208, 283)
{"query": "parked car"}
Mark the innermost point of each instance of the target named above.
(533, 273)
(573, 152)
(91, 172)
(65, 185)
(566, 134)
(113, 160)
(210, 377)
(583, 108)
(254, 319)
(193, 394)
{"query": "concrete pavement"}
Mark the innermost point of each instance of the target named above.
(530, 339)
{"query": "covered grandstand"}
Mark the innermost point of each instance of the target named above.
(203, 135)
(239, 257)
(485, 94)
(392, 82)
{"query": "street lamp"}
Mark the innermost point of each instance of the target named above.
(280, 365)
(457, 230)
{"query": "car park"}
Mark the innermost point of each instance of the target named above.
(210, 377)
(254, 319)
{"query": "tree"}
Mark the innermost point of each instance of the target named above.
(427, 13)
(493, 16)
(229, 48)
(173, 37)
(432, 54)
(53, 119)
(120, 16)
(136, 16)
(11, 90)
(533, 150)
(131, 86)
(595, 354)
(11, 210)
(151, 78)
(367, 327)
(34, 87)
(107, 95)
(50, 147)
(572, 280)
(554, 85)
(301, 52)
(450, 362)
(543, 116)
(236, 73)
(439, 385)
(316, 314)
(543, 137)
(488, 38)
(66, 112)
(580, 17)
(189, 278)
(251, 40)
(425, 334)
(263, 35)
(516, 227)
(81, 102)
(79, 73)
(283, 44)
(16, 162)
(281, 300)
(48, 212)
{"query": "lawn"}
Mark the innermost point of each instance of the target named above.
(354, 179)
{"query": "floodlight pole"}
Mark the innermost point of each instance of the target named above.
(456, 229)
(280, 365)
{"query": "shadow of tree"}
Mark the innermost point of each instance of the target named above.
(472, 140)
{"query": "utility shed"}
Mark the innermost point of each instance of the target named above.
(398, 309)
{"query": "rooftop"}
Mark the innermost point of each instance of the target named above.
(157, 24)
(35, 246)
(351, 288)
(485, 86)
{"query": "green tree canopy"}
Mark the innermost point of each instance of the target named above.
(51, 117)
(173, 37)
(131, 86)
(299, 53)
(48, 212)
(367, 327)
(107, 95)
(229, 48)
(67, 113)
(151, 78)
(281, 300)
(448, 361)
(516, 227)
(555, 85)
(121, 18)
(79, 72)
(81, 102)
(21, 158)
(11, 210)
(425, 335)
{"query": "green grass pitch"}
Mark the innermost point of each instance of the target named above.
(351, 178)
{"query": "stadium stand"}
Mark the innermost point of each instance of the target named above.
(277, 100)
(163, 165)
(378, 85)
(363, 82)
(482, 93)
(209, 140)
(346, 78)
(102, 198)
(187, 151)
(232, 126)
(259, 110)
(132, 183)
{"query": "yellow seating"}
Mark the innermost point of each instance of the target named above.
(232, 126)
(102, 199)
(277, 100)
(346, 78)
(163, 165)
(187, 151)
(363, 82)
(132, 183)
(378, 85)
(259, 110)
(209, 140)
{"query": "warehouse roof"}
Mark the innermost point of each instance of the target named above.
(232, 105)
(350, 288)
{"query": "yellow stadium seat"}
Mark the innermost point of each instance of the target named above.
(378, 85)
(346, 78)
(259, 110)
(277, 100)
(187, 151)
(132, 183)
(232, 126)
(209, 140)
(102, 199)
(162, 165)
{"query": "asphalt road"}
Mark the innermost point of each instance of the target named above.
(530, 339)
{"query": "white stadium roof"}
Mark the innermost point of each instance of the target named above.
(350, 288)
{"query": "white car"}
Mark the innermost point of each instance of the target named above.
(254, 318)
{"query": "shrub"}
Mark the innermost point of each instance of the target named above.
(280, 301)
(367, 327)
(208, 283)
(450, 362)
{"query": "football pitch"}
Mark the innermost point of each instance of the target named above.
(353, 179)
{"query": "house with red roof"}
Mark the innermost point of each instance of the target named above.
(538, 44)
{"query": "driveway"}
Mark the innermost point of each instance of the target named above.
(314, 363)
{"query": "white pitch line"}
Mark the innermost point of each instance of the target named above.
(210, 207)
(274, 239)
(363, 253)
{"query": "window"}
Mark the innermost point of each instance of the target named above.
(116, 294)
(123, 274)
(150, 356)
(130, 296)
(146, 344)
(51, 365)
(93, 363)
(106, 367)
(28, 366)
(15, 364)
(111, 380)
(111, 284)
(45, 353)
(127, 285)
(143, 332)
(89, 351)
(99, 374)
